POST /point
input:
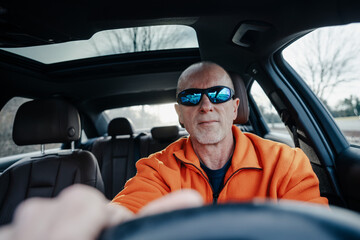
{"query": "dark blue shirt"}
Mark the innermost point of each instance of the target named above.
(216, 177)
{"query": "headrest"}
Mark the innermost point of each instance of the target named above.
(120, 126)
(240, 92)
(46, 121)
(162, 134)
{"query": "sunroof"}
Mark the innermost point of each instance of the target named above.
(116, 41)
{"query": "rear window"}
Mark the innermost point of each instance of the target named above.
(145, 117)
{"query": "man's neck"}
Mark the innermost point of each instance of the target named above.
(215, 156)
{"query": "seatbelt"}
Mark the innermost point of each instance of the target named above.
(295, 136)
(288, 121)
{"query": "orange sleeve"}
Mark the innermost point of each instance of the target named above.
(146, 186)
(300, 182)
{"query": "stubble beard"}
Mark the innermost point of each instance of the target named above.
(212, 136)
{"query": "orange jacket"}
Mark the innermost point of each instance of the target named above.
(259, 169)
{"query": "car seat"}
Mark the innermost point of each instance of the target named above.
(45, 175)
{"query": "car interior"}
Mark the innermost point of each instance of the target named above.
(68, 98)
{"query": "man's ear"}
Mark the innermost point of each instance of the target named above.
(236, 107)
(178, 111)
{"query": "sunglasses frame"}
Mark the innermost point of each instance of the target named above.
(204, 92)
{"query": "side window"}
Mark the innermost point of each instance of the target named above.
(268, 111)
(327, 59)
(7, 116)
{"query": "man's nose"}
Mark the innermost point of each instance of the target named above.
(205, 104)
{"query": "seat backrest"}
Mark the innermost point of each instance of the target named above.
(241, 93)
(115, 155)
(160, 138)
(45, 175)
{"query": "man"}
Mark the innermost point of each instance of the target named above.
(218, 161)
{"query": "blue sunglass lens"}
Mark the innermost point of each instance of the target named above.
(191, 99)
(223, 95)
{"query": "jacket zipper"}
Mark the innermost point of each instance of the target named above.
(215, 195)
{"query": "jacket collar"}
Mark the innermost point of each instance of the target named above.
(187, 154)
(244, 155)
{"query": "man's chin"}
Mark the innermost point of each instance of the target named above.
(209, 138)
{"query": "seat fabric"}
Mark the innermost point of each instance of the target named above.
(241, 93)
(115, 155)
(159, 139)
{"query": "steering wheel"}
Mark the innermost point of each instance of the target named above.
(285, 220)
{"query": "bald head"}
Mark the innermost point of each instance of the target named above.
(203, 73)
(208, 123)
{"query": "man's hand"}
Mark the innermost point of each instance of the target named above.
(81, 212)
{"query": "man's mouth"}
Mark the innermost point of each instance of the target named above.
(207, 122)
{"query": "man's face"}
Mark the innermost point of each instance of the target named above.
(207, 123)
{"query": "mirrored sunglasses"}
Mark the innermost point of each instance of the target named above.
(217, 94)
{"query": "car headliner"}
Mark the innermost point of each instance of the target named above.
(105, 82)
